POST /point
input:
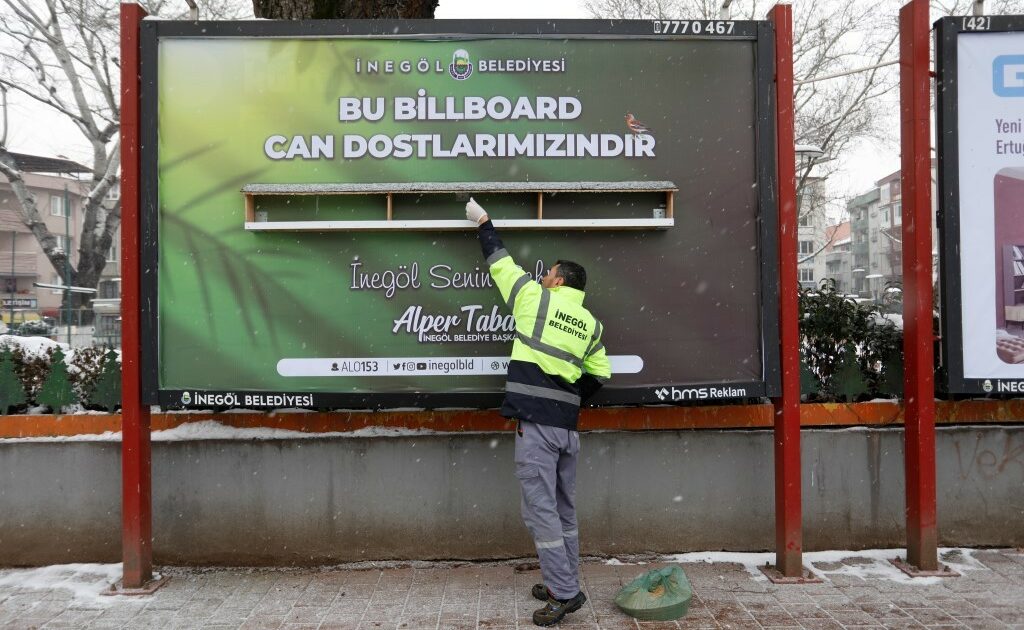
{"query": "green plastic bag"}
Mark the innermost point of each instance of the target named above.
(658, 595)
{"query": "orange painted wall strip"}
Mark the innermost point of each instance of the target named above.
(620, 419)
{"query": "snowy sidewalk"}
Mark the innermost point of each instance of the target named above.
(860, 590)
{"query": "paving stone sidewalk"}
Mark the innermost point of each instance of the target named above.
(496, 596)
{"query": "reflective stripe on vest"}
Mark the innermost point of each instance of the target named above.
(516, 288)
(552, 351)
(496, 256)
(597, 335)
(543, 392)
(542, 314)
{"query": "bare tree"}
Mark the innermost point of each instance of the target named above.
(964, 7)
(837, 37)
(63, 55)
(335, 9)
(828, 40)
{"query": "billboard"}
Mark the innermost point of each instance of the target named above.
(981, 202)
(303, 193)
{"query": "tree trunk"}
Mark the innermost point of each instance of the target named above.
(347, 9)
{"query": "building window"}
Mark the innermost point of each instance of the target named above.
(57, 206)
(109, 289)
(65, 243)
(806, 275)
(112, 252)
(804, 220)
(806, 247)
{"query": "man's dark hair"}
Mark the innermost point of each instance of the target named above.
(573, 274)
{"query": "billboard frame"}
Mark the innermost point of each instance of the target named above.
(765, 132)
(946, 33)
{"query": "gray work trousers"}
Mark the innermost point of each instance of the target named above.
(546, 467)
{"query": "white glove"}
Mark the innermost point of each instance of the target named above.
(475, 213)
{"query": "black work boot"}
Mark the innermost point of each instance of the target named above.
(541, 592)
(555, 610)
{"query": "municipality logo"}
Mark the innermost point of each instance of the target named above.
(987, 386)
(460, 67)
(1008, 75)
(186, 398)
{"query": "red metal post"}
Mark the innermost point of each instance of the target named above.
(788, 526)
(136, 503)
(918, 379)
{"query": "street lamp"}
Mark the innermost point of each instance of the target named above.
(808, 152)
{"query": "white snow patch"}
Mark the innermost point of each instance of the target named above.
(876, 567)
(34, 346)
(85, 581)
(213, 430)
(750, 561)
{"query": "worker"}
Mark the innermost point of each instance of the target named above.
(558, 362)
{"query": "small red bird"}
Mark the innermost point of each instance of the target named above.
(636, 126)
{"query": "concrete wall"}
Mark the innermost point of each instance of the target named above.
(454, 496)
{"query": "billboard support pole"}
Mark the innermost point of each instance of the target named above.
(136, 500)
(788, 527)
(918, 337)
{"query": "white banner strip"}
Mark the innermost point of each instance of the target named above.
(423, 366)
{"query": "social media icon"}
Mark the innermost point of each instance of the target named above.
(1008, 75)
(421, 366)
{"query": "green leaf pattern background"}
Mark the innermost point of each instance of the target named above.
(232, 303)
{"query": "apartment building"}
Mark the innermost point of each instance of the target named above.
(60, 187)
(874, 254)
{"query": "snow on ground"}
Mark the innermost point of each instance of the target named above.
(84, 581)
(865, 564)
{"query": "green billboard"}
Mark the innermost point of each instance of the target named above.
(304, 183)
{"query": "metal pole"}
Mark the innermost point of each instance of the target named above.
(14, 278)
(67, 262)
(788, 515)
(847, 73)
(136, 465)
(918, 377)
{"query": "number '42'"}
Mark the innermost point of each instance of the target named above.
(977, 23)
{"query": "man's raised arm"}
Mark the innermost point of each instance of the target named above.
(509, 277)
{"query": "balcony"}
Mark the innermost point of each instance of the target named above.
(25, 264)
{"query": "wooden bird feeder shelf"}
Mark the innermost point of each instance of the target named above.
(387, 192)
